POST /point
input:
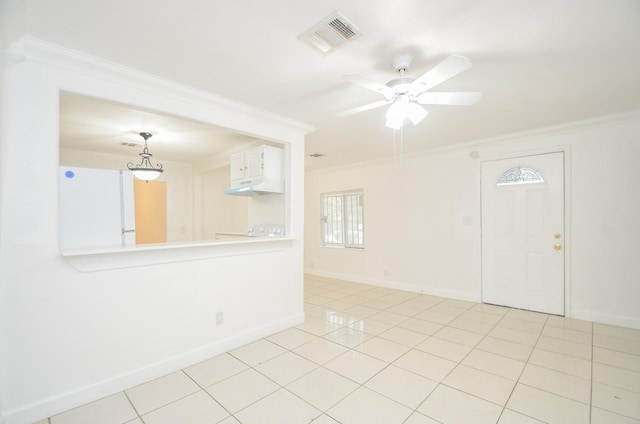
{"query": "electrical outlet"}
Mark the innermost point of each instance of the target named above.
(219, 318)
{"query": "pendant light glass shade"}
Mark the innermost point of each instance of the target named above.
(145, 169)
(145, 173)
(403, 109)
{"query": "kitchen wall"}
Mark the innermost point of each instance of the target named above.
(422, 218)
(197, 209)
(220, 213)
(71, 334)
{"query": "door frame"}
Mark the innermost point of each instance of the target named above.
(567, 246)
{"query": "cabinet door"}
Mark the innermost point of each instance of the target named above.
(253, 163)
(237, 166)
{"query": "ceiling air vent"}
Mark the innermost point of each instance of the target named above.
(316, 155)
(332, 32)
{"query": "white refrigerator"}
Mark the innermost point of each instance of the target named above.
(96, 208)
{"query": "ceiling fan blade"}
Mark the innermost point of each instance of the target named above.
(461, 98)
(448, 68)
(370, 85)
(363, 108)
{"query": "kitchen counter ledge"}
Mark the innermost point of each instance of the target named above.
(102, 259)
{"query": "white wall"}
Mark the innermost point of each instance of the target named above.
(69, 337)
(3, 10)
(221, 213)
(415, 232)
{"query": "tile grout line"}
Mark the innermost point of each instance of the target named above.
(388, 364)
(209, 394)
(547, 323)
(533, 348)
(124, 392)
(169, 403)
(447, 325)
(283, 387)
(253, 367)
(568, 356)
(441, 383)
(415, 410)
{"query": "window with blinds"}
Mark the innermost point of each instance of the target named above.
(343, 219)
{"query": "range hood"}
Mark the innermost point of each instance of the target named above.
(256, 187)
(256, 172)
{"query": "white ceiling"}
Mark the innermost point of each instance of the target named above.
(537, 63)
(98, 125)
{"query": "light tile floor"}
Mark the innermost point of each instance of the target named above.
(371, 355)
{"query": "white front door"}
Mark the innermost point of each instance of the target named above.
(523, 232)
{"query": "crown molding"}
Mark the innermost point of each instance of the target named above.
(632, 116)
(35, 50)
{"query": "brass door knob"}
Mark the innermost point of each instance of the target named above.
(557, 235)
(557, 246)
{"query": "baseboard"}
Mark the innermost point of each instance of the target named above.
(600, 318)
(398, 285)
(63, 402)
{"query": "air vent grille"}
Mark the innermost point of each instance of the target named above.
(316, 155)
(342, 28)
(124, 143)
(332, 32)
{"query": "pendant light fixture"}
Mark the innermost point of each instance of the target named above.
(145, 169)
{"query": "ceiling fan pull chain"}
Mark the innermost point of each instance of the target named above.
(398, 152)
(401, 145)
(395, 150)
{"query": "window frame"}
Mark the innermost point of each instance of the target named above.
(346, 234)
(524, 175)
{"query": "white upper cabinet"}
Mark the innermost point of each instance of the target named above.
(260, 165)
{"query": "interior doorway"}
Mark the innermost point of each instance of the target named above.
(150, 200)
(523, 239)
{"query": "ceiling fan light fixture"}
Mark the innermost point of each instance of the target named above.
(407, 93)
(416, 113)
(145, 169)
(395, 124)
(404, 109)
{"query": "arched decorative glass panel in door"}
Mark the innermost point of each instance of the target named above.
(520, 175)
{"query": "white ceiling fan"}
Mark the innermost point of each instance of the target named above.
(406, 94)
